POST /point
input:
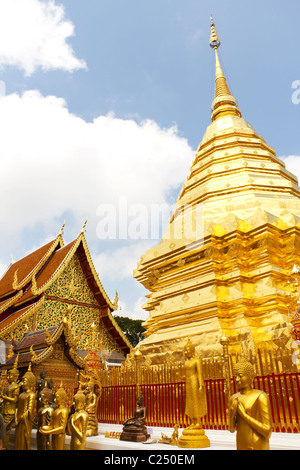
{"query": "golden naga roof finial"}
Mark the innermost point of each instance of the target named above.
(15, 280)
(62, 229)
(116, 301)
(33, 354)
(84, 225)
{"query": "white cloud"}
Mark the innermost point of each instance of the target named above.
(137, 313)
(3, 268)
(292, 163)
(53, 162)
(34, 34)
(118, 264)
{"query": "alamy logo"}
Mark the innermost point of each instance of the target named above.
(296, 93)
(138, 221)
(296, 353)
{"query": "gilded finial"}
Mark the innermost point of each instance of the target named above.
(16, 362)
(214, 38)
(224, 103)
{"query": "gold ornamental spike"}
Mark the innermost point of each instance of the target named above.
(224, 103)
(214, 41)
(16, 362)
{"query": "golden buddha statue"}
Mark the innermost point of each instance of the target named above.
(25, 408)
(174, 437)
(91, 400)
(58, 423)
(90, 384)
(195, 403)
(2, 431)
(44, 414)
(78, 423)
(249, 411)
(9, 398)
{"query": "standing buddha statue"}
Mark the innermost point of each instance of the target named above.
(58, 423)
(44, 414)
(25, 409)
(9, 398)
(91, 408)
(195, 404)
(78, 423)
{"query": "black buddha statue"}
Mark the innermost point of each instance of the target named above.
(134, 429)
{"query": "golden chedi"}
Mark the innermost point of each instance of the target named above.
(222, 266)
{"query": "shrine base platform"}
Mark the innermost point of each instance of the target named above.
(220, 440)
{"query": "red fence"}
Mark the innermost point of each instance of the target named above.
(165, 403)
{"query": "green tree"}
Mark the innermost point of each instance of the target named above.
(132, 329)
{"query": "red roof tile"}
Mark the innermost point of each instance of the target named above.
(24, 266)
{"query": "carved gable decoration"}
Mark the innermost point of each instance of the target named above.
(55, 283)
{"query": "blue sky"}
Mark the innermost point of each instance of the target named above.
(107, 101)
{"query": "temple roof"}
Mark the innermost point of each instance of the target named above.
(36, 346)
(19, 273)
(23, 285)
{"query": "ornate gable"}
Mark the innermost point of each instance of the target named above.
(60, 283)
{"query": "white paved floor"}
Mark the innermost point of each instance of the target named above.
(219, 440)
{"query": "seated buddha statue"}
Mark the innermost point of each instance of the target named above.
(134, 429)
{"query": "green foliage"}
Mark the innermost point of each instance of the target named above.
(132, 329)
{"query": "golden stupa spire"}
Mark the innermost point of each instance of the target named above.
(224, 103)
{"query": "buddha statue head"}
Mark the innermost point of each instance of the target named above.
(61, 396)
(28, 380)
(45, 395)
(79, 400)
(189, 349)
(244, 374)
